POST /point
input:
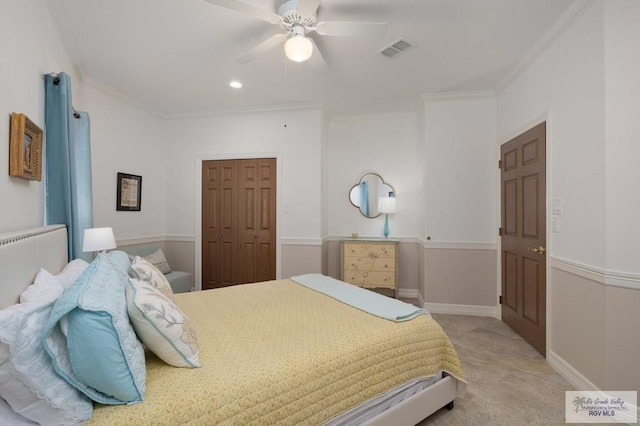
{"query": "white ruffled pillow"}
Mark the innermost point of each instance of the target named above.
(28, 382)
(47, 285)
(161, 325)
(12, 418)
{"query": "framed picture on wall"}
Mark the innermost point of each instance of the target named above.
(25, 148)
(129, 192)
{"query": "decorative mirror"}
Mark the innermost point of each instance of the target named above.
(365, 194)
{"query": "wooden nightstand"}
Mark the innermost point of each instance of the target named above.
(370, 263)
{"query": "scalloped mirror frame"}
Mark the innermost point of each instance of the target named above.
(373, 184)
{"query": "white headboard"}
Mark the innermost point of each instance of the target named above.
(24, 252)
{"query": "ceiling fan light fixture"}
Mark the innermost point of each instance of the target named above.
(298, 48)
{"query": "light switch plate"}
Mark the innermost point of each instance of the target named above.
(556, 206)
(555, 224)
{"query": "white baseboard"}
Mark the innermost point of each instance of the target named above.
(578, 380)
(572, 375)
(409, 293)
(448, 308)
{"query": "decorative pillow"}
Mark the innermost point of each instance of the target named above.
(45, 287)
(11, 417)
(100, 354)
(28, 381)
(71, 272)
(161, 325)
(158, 259)
(144, 270)
(46, 283)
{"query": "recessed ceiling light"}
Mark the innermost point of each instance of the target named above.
(235, 84)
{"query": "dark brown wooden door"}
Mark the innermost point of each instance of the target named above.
(238, 221)
(523, 182)
(219, 221)
(257, 219)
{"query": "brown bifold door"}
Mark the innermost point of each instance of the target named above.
(523, 253)
(238, 221)
(257, 220)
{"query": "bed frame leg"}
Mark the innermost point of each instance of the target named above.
(449, 406)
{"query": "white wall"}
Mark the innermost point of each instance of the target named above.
(460, 193)
(128, 140)
(238, 136)
(30, 47)
(389, 146)
(622, 94)
(566, 82)
(460, 169)
(586, 82)
(622, 97)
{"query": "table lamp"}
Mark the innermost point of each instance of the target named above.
(386, 205)
(98, 239)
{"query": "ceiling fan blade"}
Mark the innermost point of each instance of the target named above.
(307, 8)
(261, 48)
(352, 29)
(316, 61)
(247, 9)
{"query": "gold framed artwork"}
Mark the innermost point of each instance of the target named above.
(25, 148)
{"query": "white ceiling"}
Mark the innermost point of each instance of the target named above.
(176, 57)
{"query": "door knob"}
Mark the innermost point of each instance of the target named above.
(538, 250)
(220, 235)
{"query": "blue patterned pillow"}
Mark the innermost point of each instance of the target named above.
(98, 353)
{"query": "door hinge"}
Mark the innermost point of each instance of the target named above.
(500, 300)
(499, 164)
(500, 232)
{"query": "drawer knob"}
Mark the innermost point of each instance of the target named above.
(386, 265)
(365, 274)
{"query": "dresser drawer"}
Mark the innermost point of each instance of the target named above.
(369, 264)
(369, 250)
(371, 279)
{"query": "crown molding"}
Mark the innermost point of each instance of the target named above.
(240, 110)
(573, 12)
(449, 96)
(375, 116)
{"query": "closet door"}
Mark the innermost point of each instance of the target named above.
(219, 223)
(238, 221)
(257, 183)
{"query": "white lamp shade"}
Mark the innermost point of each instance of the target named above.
(298, 48)
(387, 204)
(98, 239)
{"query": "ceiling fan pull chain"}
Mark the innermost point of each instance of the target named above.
(286, 90)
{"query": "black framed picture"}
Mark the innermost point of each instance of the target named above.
(129, 193)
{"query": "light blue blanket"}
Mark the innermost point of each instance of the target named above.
(365, 300)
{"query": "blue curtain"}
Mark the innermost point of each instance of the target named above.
(364, 198)
(68, 196)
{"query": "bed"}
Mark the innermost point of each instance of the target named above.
(278, 352)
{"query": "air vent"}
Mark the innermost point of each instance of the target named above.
(395, 48)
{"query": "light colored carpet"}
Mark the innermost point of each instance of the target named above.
(509, 382)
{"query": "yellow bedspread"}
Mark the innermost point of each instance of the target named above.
(279, 353)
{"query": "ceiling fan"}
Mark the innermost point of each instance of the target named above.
(296, 19)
